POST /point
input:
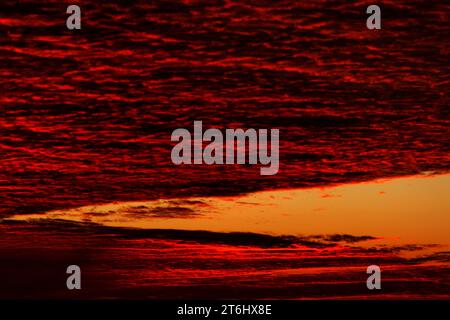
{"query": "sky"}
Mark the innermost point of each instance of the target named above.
(87, 117)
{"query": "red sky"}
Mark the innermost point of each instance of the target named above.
(87, 115)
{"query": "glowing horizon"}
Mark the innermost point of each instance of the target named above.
(409, 209)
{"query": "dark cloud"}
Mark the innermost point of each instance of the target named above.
(88, 119)
(173, 211)
(342, 238)
(148, 264)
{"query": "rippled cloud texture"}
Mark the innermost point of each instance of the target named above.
(87, 115)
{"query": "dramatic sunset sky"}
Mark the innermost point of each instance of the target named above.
(86, 175)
